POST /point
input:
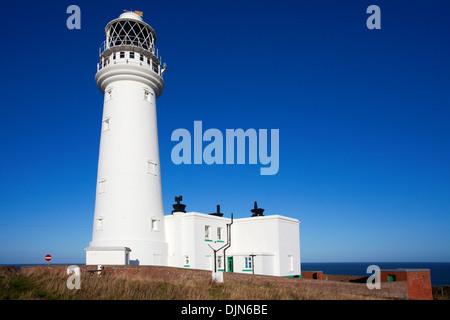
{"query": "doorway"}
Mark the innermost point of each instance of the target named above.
(230, 264)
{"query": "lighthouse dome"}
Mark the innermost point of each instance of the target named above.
(131, 15)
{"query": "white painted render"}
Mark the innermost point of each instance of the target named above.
(272, 242)
(129, 226)
(128, 203)
(108, 255)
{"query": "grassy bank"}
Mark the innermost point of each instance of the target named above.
(53, 287)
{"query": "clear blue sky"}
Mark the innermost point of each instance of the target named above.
(363, 118)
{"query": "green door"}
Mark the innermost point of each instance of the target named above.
(230, 264)
(391, 278)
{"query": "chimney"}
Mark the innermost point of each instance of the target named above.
(257, 212)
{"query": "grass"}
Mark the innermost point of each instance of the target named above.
(45, 286)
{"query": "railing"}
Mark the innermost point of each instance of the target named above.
(106, 61)
(129, 41)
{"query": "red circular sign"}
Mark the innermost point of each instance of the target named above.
(48, 257)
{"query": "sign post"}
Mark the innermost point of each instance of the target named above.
(48, 258)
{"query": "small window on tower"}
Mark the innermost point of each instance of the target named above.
(108, 94)
(99, 224)
(101, 188)
(148, 96)
(148, 61)
(154, 224)
(122, 54)
(151, 167)
(105, 124)
(141, 57)
(131, 55)
(114, 56)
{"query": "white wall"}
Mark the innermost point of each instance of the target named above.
(107, 256)
(273, 239)
(129, 195)
(185, 235)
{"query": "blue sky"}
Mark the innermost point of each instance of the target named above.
(363, 117)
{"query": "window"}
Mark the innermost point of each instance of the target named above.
(122, 54)
(114, 56)
(105, 124)
(108, 94)
(248, 263)
(151, 167)
(148, 96)
(101, 188)
(154, 224)
(291, 263)
(186, 261)
(208, 232)
(148, 61)
(220, 262)
(391, 278)
(99, 224)
(219, 233)
(141, 57)
(131, 55)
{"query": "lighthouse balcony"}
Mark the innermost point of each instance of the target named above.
(128, 55)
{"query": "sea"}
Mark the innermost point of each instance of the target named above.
(440, 271)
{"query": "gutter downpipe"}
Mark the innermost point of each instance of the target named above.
(228, 242)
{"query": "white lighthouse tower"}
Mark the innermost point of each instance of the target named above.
(129, 219)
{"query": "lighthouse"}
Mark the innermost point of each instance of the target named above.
(128, 226)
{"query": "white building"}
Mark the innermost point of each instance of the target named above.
(258, 244)
(129, 224)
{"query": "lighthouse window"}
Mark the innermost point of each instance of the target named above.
(141, 57)
(151, 167)
(105, 125)
(122, 54)
(114, 56)
(148, 61)
(101, 186)
(131, 55)
(148, 96)
(108, 94)
(99, 223)
(154, 224)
